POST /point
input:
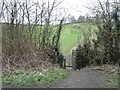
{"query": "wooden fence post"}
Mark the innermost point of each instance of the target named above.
(69, 65)
(73, 59)
(64, 64)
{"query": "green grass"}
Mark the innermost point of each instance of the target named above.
(111, 80)
(69, 37)
(28, 79)
(53, 76)
(70, 33)
(0, 79)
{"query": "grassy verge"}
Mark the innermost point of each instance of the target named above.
(71, 32)
(0, 80)
(69, 37)
(112, 80)
(28, 79)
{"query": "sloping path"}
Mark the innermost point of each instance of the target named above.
(68, 56)
(86, 78)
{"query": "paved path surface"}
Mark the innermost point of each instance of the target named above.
(86, 78)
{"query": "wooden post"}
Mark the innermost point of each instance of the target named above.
(73, 57)
(69, 65)
(64, 63)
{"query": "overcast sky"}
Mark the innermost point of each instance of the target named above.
(76, 7)
(72, 7)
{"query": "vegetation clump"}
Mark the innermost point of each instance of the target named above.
(21, 78)
(105, 48)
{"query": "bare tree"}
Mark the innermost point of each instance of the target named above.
(106, 36)
(28, 28)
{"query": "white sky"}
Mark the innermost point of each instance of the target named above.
(78, 7)
(73, 7)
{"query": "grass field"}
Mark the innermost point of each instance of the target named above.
(70, 34)
(21, 78)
